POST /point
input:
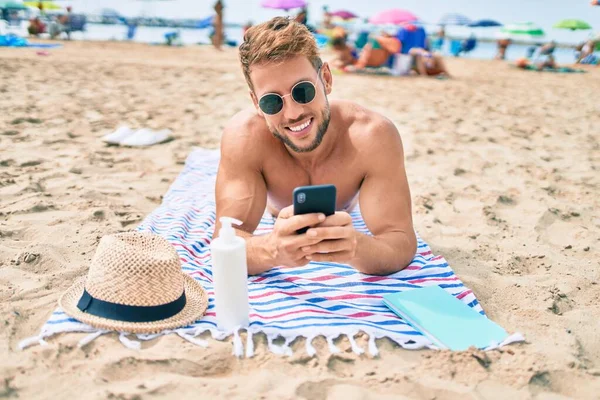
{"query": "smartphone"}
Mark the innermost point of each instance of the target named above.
(314, 199)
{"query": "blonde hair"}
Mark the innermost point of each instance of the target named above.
(277, 40)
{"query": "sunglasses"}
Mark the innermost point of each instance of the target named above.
(302, 93)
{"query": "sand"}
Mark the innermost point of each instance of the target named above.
(503, 167)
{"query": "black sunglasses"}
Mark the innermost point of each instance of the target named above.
(302, 93)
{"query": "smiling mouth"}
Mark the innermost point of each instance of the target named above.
(300, 128)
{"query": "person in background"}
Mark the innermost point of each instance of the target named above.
(327, 18)
(36, 27)
(426, 63)
(217, 36)
(246, 27)
(344, 54)
(377, 52)
(302, 16)
(502, 46)
(438, 42)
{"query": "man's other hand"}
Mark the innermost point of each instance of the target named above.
(336, 240)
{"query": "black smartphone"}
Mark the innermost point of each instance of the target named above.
(314, 199)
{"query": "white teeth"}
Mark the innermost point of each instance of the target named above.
(299, 127)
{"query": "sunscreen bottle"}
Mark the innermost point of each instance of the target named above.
(230, 277)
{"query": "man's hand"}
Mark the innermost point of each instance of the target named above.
(285, 244)
(335, 240)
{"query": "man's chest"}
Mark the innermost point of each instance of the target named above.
(282, 179)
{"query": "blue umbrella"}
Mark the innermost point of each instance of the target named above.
(484, 23)
(205, 23)
(454, 19)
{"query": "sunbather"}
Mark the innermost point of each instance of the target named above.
(344, 54)
(377, 52)
(428, 64)
(294, 136)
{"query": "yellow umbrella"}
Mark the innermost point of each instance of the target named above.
(48, 5)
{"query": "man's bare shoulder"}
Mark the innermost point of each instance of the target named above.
(369, 130)
(245, 138)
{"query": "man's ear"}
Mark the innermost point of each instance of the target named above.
(255, 102)
(327, 78)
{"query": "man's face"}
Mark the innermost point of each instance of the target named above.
(300, 126)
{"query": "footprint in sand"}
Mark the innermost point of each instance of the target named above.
(211, 365)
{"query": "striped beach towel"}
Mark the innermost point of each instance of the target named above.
(319, 299)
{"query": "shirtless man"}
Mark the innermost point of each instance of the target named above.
(294, 137)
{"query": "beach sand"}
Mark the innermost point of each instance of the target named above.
(503, 167)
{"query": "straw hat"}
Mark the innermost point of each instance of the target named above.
(135, 284)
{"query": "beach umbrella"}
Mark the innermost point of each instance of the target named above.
(454, 19)
(283, 4)
(523, 30)
(343, 14)
(484, 23)
(48, 5)
(393, 17)
(572, 24)
(11, 5)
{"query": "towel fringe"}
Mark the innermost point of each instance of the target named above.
(193, 340)
(355, 347)
(249, 345)
(130, 344)
(515, 337)
(238, 346)
(25, 343)
(373, 346)
(275, 349)
(90, 338)
(309, 347)
(333, 349)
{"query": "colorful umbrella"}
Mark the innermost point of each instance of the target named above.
(572, 24)
(343, 14)
(484, 23)
(523, 30)
(394, 17)
(48, 5)
(283, 4)
(11, 5)
(454, 19)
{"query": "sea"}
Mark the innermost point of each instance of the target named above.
(156, 35)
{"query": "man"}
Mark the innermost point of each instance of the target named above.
(295, 137)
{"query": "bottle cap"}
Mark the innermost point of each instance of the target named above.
(227, 232)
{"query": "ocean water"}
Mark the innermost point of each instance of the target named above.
(484, 50)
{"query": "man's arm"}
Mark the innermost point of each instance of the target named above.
(385, 205)
(241, 191)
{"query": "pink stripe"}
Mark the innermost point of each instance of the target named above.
(258, 296)
(425, 253)
(200, 273)
(463, 294)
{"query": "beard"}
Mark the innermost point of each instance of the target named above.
(321, 130)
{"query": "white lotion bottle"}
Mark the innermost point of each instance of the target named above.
(230, 277)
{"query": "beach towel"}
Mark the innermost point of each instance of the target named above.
(12, 40)
(319, 299)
